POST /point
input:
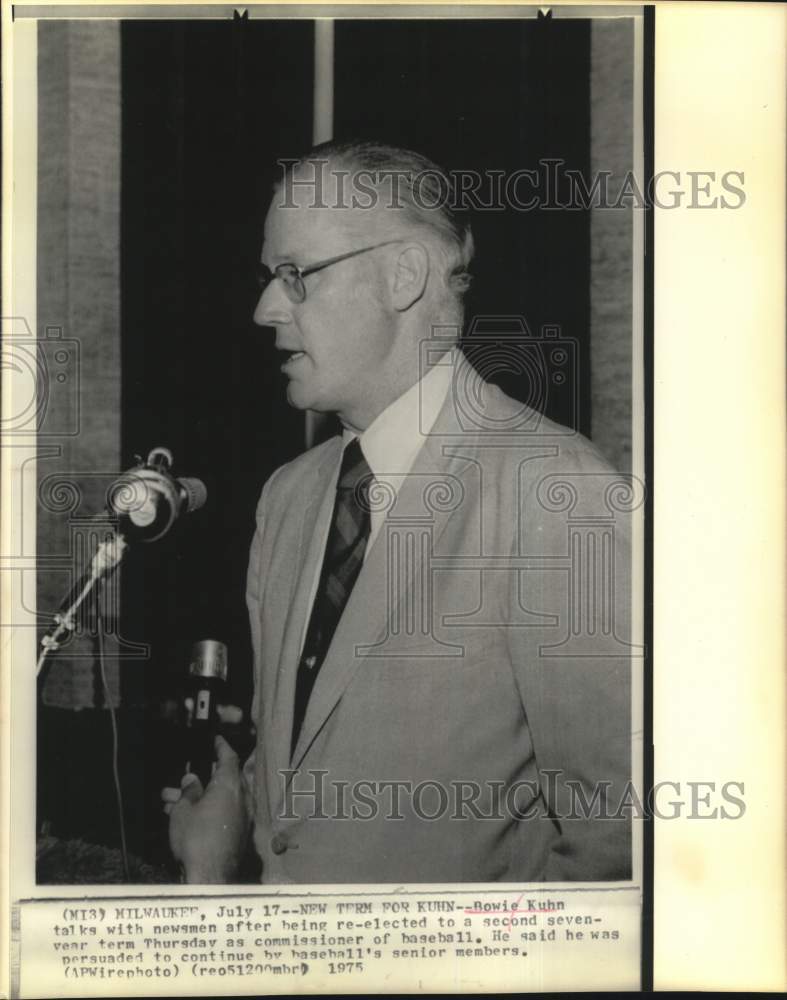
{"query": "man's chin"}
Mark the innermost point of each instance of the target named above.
(296, 397)
(300, 399)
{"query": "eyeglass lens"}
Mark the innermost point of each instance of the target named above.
(287, 274)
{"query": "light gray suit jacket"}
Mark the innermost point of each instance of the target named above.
(477, 689)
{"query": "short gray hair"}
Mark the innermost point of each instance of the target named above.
(424, 191)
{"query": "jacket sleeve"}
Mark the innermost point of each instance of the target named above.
(574, 669)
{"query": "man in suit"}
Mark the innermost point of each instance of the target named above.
(438, 597)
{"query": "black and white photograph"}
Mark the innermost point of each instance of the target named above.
(419, 634)
(337, 436)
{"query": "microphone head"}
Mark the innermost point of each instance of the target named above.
(194, 493)
(146, 502)
(208, 659)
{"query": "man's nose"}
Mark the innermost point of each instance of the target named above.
(273, 308)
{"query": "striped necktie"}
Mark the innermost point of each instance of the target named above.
(344, 554)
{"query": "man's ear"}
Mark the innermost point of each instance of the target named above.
(409, 277)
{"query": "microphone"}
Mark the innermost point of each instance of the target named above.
(107, 558)
(148, 499)
(207, 679)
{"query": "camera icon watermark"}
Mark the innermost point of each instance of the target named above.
(42, 378)
(544, 367)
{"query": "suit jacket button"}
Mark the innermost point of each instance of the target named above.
(278, 844)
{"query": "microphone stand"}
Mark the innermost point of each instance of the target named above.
(153, 479)
(108, 556)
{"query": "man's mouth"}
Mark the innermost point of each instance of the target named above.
(291, 357)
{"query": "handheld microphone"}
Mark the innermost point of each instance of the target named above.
(207, 679)
(148, 499)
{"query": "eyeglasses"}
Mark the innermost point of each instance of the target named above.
(292, 276)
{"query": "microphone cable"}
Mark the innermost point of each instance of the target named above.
(113, 721)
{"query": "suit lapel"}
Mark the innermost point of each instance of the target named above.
(422, 499)
(306, 553)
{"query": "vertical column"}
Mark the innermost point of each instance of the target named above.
(78, 298)
(611, 237)
(322, 121)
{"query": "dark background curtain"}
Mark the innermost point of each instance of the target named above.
(207, 107)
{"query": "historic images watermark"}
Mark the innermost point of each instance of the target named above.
(549, 185)
(318, 797)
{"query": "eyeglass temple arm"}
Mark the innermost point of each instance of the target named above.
(313, 268)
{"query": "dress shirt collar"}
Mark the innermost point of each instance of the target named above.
(394, 438)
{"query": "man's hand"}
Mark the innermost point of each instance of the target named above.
(208, 829)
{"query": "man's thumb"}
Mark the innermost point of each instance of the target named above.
(225, 756)
(191, 787)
